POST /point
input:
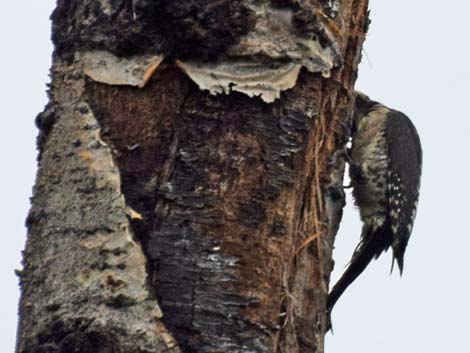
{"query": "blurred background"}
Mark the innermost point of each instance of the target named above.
(417, 62)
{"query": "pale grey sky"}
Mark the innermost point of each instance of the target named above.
(24, 66)
(418, 51)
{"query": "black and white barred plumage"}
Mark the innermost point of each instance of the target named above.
(385, 169)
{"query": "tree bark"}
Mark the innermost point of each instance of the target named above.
(167, 218)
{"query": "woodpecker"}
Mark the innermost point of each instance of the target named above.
(385, 169)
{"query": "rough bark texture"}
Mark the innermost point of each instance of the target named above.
(221, 210)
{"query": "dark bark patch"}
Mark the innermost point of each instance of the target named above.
(89, 25)
(185, 29)
(198, 28)
(129, 118)
(205, 177)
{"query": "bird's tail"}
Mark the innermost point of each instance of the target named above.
(371, 246)
(399, 254)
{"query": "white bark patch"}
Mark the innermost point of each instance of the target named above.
(104, 67)
(250, 78)
(118, 249)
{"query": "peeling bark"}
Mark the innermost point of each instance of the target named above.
(168, 219)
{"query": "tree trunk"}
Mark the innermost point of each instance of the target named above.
(190, 176)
